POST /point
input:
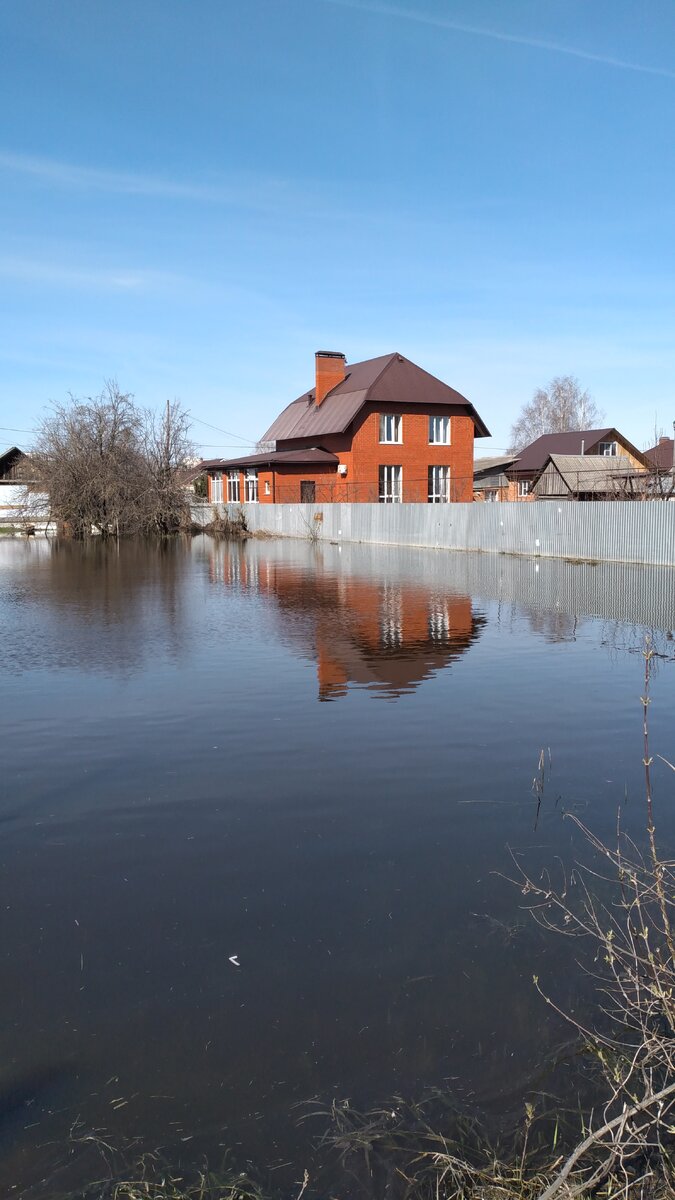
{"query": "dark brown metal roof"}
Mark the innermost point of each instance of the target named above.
(390, 379)
(661, 455)
(536, 454)
(274, 458)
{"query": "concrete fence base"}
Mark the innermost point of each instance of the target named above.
(606, 531)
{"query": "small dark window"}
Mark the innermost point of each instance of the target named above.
(307, 491)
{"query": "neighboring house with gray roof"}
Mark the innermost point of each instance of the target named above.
(380, 430)
(602, 443)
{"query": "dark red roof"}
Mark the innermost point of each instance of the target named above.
(390, 379)
(275, 457)
(577, 441)
(661, 455)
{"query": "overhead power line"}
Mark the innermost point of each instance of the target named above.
(228, 432)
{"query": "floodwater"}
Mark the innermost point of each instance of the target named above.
(257, 803)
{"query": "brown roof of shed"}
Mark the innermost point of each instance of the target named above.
(390, 379)
(536, 454)
(274, 458)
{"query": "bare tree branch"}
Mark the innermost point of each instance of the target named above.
(557, 408)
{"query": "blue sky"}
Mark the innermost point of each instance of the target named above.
(198, 194)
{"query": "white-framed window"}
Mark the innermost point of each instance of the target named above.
(217, 487)
(439, 431)
(523, 488)
(233, 494)
(268, 490)
(391, 427)
(251, 486)
(439, 623)
(439, 485)
(607, 449)
(492, 495)
(391, 485)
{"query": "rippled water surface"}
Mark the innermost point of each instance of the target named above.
(256, 806)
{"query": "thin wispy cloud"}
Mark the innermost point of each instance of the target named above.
(122, 182)
(298, 199)
(261, 193)
(498, 35)
(39, 271)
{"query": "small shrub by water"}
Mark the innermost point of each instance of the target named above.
(233, 527)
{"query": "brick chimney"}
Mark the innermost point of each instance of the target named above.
(330, 370)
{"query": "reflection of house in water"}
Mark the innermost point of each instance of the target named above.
(370, 632)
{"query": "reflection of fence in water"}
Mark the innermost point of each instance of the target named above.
(638, 595)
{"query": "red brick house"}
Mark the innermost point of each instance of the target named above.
(381, 430)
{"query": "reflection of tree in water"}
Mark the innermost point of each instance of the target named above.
(616, 636)
(554, 626)
(94, 605)
(386, 634)
(619, 638)
(551, 624)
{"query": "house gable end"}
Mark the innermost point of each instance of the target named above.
(613, 435)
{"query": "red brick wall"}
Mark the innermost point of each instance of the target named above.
(413, 454)
(328, 485)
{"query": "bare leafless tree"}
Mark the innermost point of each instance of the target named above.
(166, 449)
(111, 468)
(560, 406)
